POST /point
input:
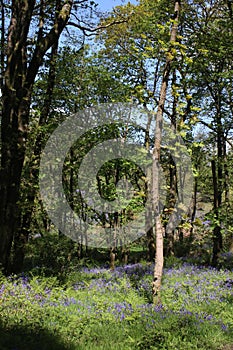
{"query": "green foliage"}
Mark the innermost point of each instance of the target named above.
(226, 260)
(172, 261)
(51, 254)
(180, 333)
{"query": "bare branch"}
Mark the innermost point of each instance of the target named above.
(213, 129)
(96, 29)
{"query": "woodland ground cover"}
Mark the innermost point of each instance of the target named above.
(96, 308)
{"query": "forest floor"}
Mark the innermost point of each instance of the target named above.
(95, 308)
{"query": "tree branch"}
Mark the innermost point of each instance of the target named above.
(213, 129)
(94, 30)
(47, 41)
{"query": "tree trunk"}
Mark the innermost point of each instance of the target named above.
(217, 236)
(112, 258)
(173, 191)
(194, 209)
(13, 152)
(148, 214)
(159, 259)
(28, 196)
(218, 180)
(19, 77)
(169, 234)
(2, 55)
(125, 254)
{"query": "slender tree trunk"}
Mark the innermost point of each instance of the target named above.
(169, 231)
(159, 259)
(125, 254)
(218, 180)
(112, 258)
(217, 236)
(148, 214)
(2, 59)
(194, 209)
(169, 234)
(226, 175)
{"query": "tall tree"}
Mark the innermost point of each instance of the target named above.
(29, 190)
(159, 259)
(210, 81)
(34, 28)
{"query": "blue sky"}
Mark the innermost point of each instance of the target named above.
(107, 5)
